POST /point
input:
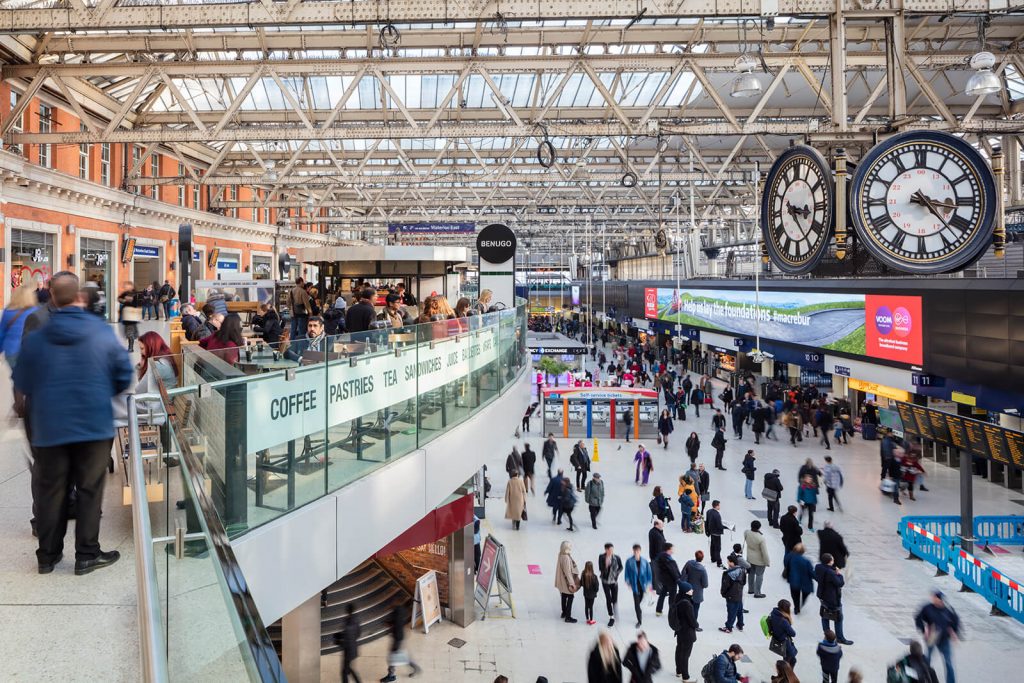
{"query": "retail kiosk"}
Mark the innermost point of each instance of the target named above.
(597, 411)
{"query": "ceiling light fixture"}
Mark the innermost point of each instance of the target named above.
(746, 84)
(983, 81)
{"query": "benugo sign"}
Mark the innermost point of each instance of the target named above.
(278, 411)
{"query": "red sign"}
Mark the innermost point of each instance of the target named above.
(650, 302)
(893, 328)
(488, 564)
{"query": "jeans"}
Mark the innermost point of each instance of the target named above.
(84, 464)
(611, 597)
(748, 487)
(298, 326)
(735, 613)
(755, 577)
(167, 315)
(567, 605)
(944, 646)
(588, 608)
(829, 677)
(839, 626)
(148, 312)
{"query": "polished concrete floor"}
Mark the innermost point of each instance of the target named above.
(883, 594)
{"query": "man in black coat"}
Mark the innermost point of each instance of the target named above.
(656, 545)
(684, 622)
(348, 640)
(548, 452)
(396, 621)
(714, 528)
(830, 542)
(773, 482)
(790, 526)
(360, 316)
(718, 443)
(830, 593)
(667, 572)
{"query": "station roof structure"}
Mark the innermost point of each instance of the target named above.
(359, 113)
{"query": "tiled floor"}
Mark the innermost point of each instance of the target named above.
(883, 594)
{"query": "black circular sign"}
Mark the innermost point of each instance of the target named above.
(496, 243)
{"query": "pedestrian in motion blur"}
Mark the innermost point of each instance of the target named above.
(348, 640)
(604, 665)
(940, 626)
(12, 324)
(642, 660)
(397, 656)
(69, 371)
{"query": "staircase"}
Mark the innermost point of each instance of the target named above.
(374, 593)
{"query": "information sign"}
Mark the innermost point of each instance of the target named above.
(427, 603)
(976, 439)
(492, 579)
(908, 419)
(957, 432)
(996, 443)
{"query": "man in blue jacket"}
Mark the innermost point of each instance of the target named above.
(70, 370)
(638, 575)
(940, 626)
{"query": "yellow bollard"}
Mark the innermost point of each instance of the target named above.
(595, 458)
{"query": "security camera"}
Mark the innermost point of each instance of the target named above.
(760, 356)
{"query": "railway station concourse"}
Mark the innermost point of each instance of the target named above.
(511, 341)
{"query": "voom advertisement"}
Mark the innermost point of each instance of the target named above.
(886, 327)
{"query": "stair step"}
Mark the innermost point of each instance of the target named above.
(358, 592)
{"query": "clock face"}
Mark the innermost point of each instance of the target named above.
(924, 202)
(796, 211)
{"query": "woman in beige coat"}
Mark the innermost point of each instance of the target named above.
(515, 499)
(757, 556)
(567, 579)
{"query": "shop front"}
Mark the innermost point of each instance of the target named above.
(262, 267)
(96, 258)
(723, 363)
(33, 254)
(226, 267)
(147, 266)
(197, 271)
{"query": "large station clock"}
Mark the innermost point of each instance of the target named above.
(924, 202)
(797, 216)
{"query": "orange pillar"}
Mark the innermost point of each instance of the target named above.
(565, 418)
(636, 419)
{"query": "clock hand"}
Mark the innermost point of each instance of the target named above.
(920, 198)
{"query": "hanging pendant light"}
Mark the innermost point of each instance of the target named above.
(983, 81)
(746, 84)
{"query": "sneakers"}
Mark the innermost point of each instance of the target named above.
(590, 622)
(724, 629)
(611, 622)
(760, 595)
(570, 620)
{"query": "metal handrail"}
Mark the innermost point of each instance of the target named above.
(151, 628)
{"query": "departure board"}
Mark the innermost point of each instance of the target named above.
(957, 432)
(940, 432)
(924, 425)
(996, 442)
(1015, 447)
(907, 417)
(976, 438)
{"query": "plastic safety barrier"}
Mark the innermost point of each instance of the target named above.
(1006, 595)
(999, 529)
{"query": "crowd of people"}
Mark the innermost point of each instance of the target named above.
(678, 585)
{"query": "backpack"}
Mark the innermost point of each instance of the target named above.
(707, 672)
(765, 629)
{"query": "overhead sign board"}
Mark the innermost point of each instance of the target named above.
(432, 228)
(496, 243)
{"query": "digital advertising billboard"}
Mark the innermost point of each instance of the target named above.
(886, 327)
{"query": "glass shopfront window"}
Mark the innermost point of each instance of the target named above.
(262, 267)
(32, 256)
(96, 257)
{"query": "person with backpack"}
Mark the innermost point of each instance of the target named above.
(913, 668)
(682, 619)
(781, 632)
(722, 667)
(940, 626)
(733, 580)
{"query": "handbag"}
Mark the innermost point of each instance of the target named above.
(777, 647)
(659, 439)
(525, 518)
(770, 494)
(832, 614)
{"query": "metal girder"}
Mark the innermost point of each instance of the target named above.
(441, 203)
(247, 14)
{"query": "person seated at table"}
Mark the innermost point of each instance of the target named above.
(194, 327)
(314, 341)
(227, 340)
(430, 309)
(267, 324)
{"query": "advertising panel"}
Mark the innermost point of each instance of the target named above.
(575, 295)
(887, 327)
(893, 330)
